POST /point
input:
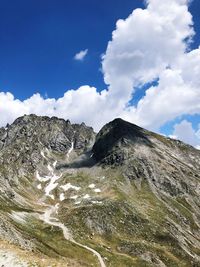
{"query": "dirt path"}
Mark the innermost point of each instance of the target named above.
(48, 218)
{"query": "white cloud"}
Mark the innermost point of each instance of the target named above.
(177, 94)
(185, 132)
(144, 44)
(70, 106)
(80, 56)
(152, 43)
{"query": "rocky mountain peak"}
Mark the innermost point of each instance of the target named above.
(123, 197)
(115, 138)
(54, 133)
(22, 142)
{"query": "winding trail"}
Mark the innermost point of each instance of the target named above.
(48, 218)
(102, 264)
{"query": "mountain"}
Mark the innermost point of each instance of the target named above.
(122, 197)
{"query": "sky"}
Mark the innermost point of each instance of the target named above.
(93, 61)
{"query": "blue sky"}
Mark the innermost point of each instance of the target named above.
(38, 42)
(40, 38)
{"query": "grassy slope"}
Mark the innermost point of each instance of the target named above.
(131, 224)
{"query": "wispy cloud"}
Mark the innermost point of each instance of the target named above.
(80, 56)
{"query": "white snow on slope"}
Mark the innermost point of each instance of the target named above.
(68, 186)
(56, 207)
(70, 150)
(74, 197)
(91, 186)
(97, 190)
(42, 179)
(62, 197)
(47, 216)
(50, 168)
(43, 155)
(86, 196)
(52, 185)
(52, 178)
(55, 163)
(39, 186)
(96, 202)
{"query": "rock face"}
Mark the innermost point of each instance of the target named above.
(131, 194)
(115, 139)
(22, 142)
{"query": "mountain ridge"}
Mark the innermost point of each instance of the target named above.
(132, 194)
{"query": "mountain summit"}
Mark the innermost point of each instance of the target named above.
(123, 197)
(115, 136)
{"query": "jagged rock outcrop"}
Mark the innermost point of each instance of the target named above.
(22, 142)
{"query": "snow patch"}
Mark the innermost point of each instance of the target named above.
(97, 190)
(96, 202)
(57, 206)
(92, 186)
(42, 179)
(43, 155)
(68, 186)
(101, 177)
(77, 202)
(70, 150)
(39, 186)
(86, 196)
(52, 185)
(74, 197)
(50, 168)
(53, 178)
(55, 163)
(62, 196)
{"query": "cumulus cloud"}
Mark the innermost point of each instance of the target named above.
(145, 44)
(80, 56)
(152, 43)
(185, 132)
(176, 94)
(70, 106)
